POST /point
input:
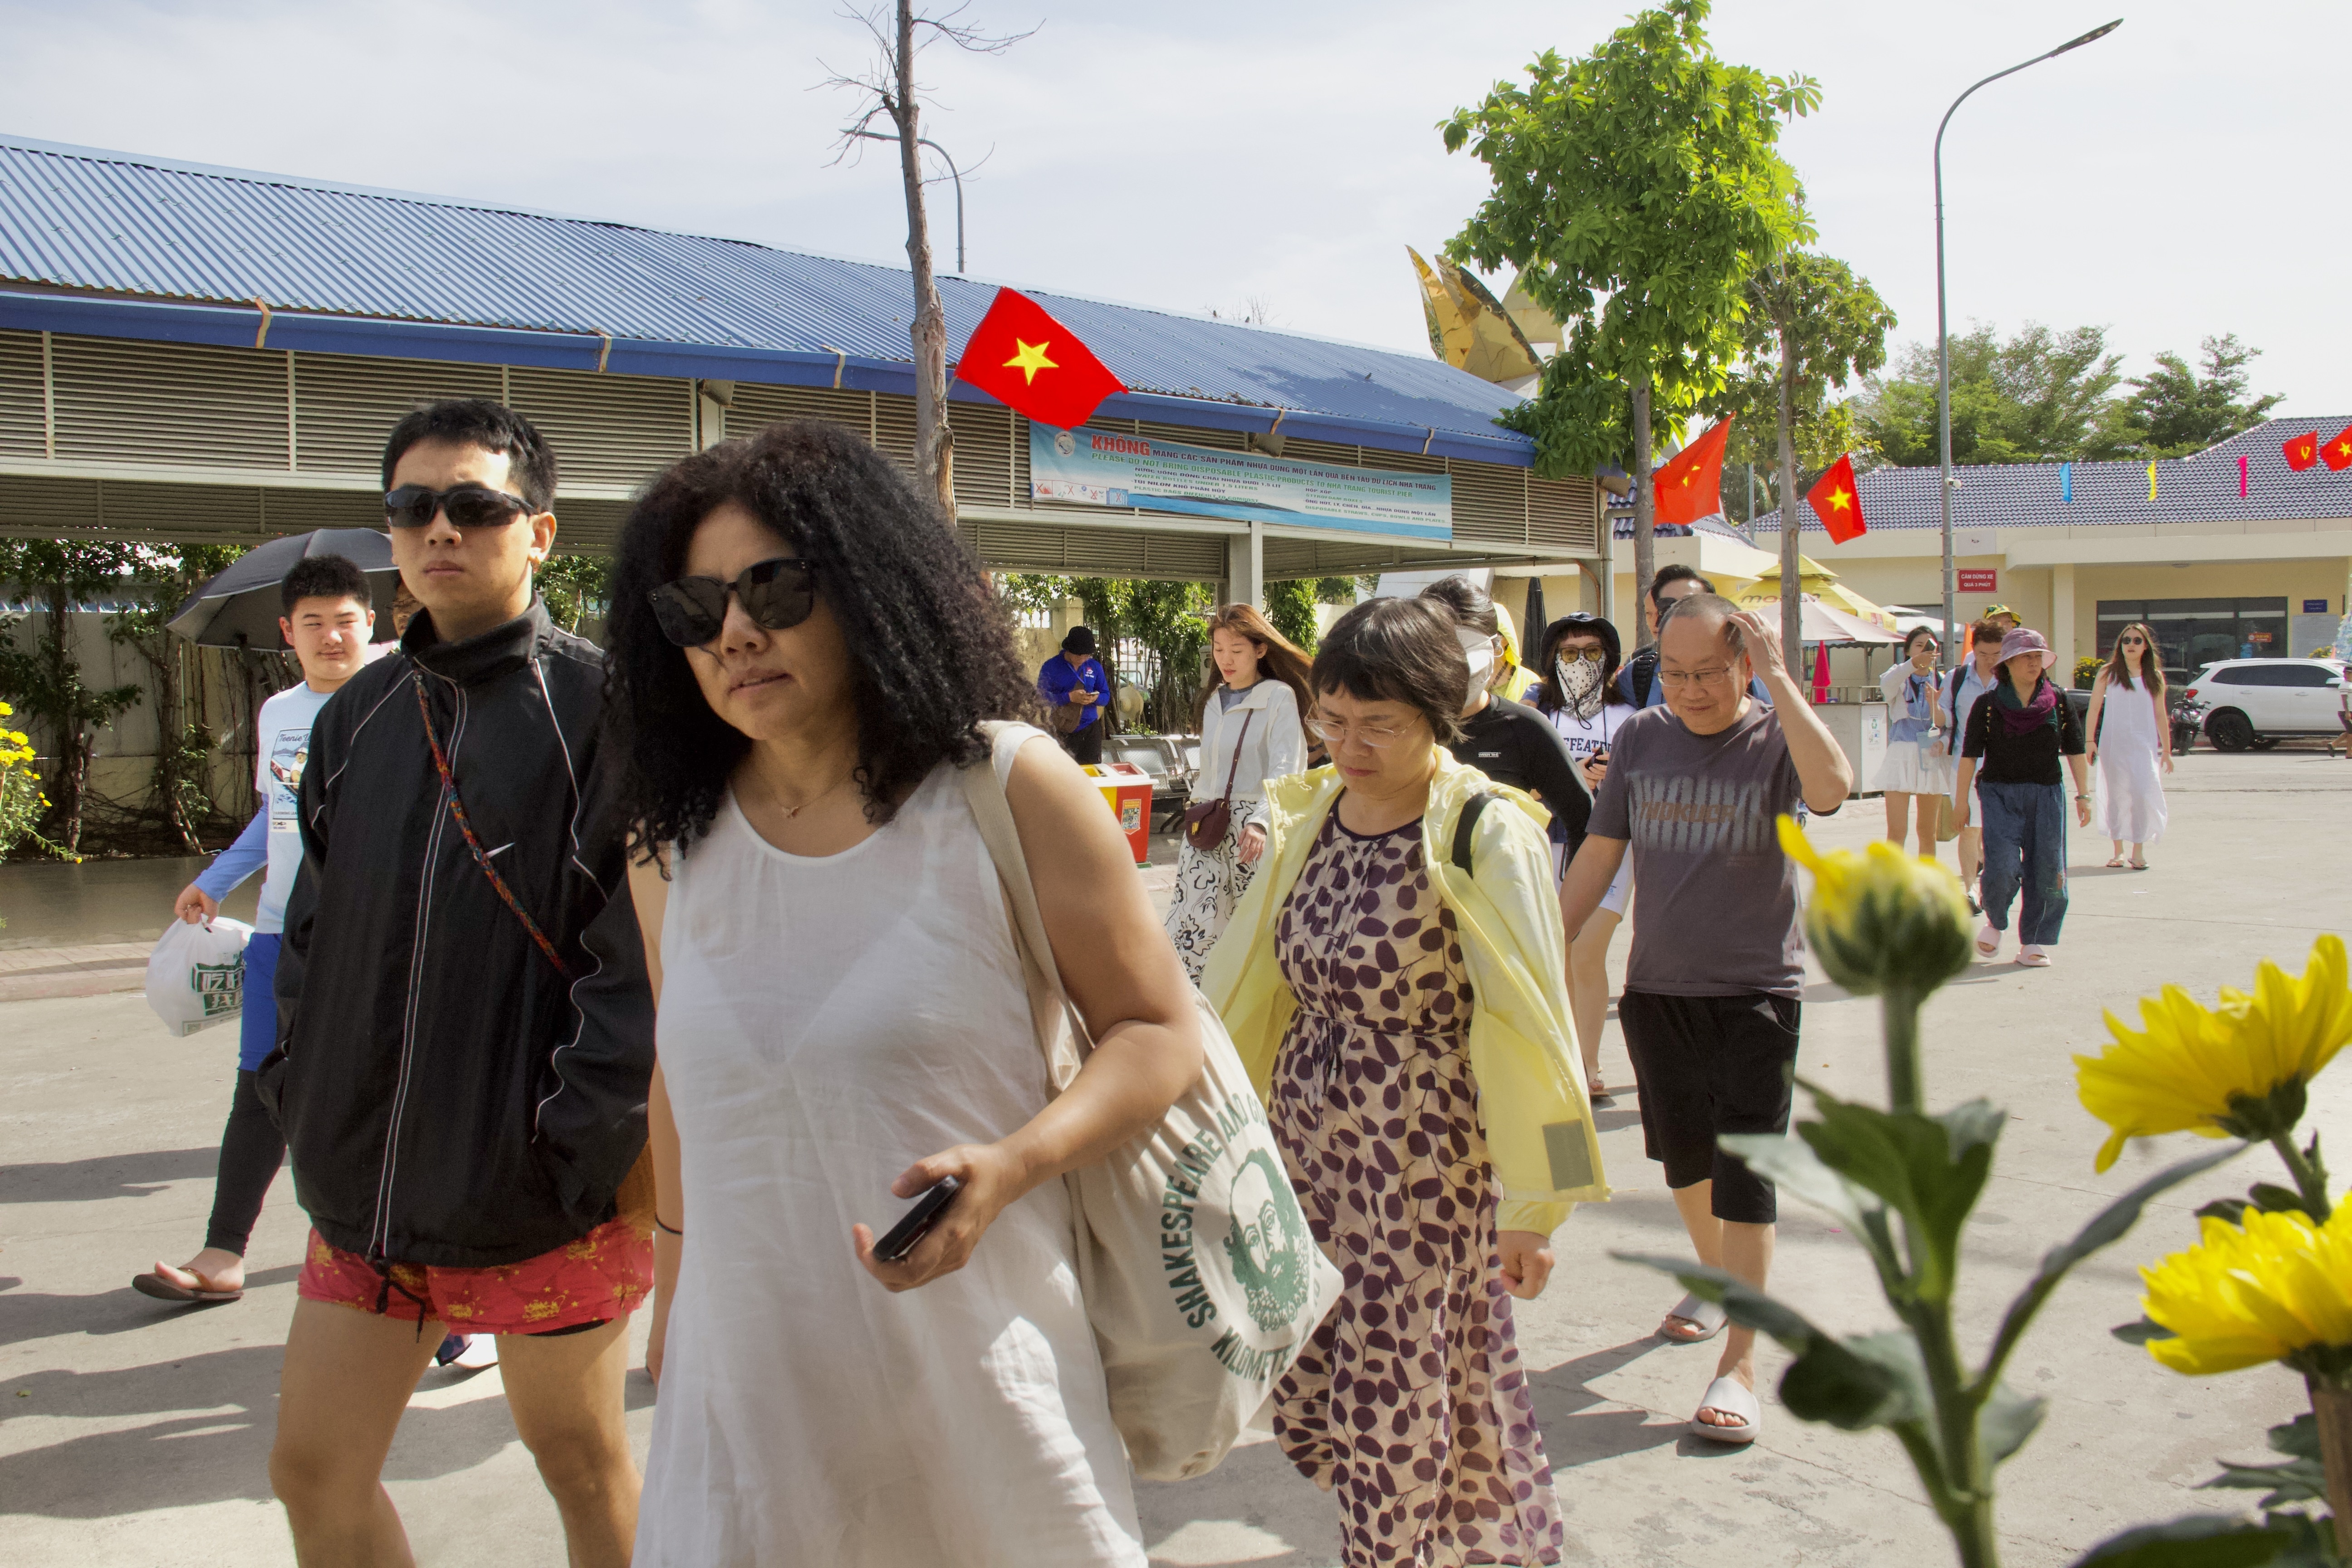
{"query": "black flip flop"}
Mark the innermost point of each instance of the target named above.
(164, 1290)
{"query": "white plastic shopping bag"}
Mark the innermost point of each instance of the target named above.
(195, 976)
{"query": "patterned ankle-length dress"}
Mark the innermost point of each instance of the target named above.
(1409, 1403)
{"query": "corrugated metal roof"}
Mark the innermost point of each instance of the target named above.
(2199, 488)
(84, 219)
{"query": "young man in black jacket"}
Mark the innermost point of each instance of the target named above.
(464, 1036)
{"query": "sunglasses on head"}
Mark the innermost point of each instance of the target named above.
(469, 506)
(776, 593)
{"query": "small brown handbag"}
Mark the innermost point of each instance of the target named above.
(1205, 822)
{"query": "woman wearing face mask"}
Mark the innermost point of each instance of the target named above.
(1250, 733)
(1579, 695)
(1917, 774)
(1509, 741)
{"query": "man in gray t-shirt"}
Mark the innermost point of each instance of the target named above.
(1710, 1011)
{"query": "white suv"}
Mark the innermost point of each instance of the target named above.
(2259, 702)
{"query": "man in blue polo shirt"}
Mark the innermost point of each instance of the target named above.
(1074, 679)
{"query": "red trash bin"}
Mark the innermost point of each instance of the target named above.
(1126, 790)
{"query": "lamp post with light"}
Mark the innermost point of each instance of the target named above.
(1943, 336)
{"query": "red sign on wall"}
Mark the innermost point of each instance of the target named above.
(1980, 579)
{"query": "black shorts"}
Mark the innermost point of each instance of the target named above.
(1706, 1065)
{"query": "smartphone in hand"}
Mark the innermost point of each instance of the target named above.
(917, 1221)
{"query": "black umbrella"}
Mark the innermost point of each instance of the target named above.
(1531, 640)
(240, 607)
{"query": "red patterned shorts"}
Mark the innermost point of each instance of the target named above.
(606, 1273)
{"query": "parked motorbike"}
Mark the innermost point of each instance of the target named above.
(2187, 723)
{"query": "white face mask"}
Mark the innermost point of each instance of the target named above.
(1479, 649)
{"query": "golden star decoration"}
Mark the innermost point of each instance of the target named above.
(2344, 448)
(1840, 499)
(1030, 359)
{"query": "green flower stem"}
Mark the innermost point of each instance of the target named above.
(1900, 1009)
(1967, 1501)
(2331, 1406)
(2307, 1180)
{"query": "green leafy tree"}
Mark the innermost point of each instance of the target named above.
(1290, 605)
(2043, 396)
(1635, 189)
(167, 576)
(1817, 326)
(2173, 410)
(45, 679)
(576, 588)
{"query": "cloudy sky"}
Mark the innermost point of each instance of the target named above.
(2174, 180)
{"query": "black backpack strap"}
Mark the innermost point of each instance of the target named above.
(1465, 825)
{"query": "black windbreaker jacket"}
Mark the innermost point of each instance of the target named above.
(448, 1096)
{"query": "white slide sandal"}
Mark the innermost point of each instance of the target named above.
(1709, 1315)
(1732, 1398)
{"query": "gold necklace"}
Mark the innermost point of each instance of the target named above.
(790, 812)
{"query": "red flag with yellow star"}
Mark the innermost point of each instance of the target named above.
(1027, 361)
(2338, 451)
(1836, 499)
(2301, 451)
(1691, 487)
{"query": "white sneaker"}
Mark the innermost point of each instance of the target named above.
(2030, 956)
(481, 1351)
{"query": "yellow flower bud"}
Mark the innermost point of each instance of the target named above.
(1881, 920)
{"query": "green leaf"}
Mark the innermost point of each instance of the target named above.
(2107, 1226)
(2299, 1437)
(2270, 1198)
(2141, 1333)
(1791, 1164)
(2230, 1210)
(2006, 1421)
(2200, 1541)
(1928, 1168)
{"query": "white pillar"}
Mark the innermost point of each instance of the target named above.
(1245, 566)
(2061, 620)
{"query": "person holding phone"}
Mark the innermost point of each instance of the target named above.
(1581, 696)
(802, 654)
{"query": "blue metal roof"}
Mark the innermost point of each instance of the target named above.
(187, 253)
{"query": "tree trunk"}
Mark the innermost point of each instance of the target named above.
(934, 443)
(1792, 613)
(73, 752)
(1646, 508)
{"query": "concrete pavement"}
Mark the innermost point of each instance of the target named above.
(134, 1432)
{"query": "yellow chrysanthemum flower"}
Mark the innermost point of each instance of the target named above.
(1881, 920)
(2211, 1070)
(2262, 1293)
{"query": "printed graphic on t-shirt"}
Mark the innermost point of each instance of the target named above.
(287, 753)
(1685, 816)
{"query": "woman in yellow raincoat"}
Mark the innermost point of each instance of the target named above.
(1394, 979)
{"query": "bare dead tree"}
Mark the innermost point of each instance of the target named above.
(889, 90)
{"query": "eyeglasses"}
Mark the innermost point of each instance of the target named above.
(778, 595)
(1336, 734)
(469, 506)
(1675, 679)
(2134, 642)
(1589, 654)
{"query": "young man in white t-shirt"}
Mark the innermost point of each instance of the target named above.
(328, 623)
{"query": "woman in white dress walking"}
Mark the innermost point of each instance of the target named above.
(1916, 776)
(2131, 746)
(801, 656)
(1250, 733)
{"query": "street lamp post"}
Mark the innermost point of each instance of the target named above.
(1943, 335)
(957, 176)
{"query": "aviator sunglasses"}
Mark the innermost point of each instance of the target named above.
(776, 593)
(469, 506)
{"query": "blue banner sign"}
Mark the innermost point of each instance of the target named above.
(1104, 468)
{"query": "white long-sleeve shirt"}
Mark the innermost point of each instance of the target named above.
(1275, 744)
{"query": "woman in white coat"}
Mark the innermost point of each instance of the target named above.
(2131, 746)
(1250, 733)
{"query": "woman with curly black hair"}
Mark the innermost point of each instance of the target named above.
(801, 655)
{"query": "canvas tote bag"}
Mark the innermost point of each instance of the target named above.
(1201, 1279)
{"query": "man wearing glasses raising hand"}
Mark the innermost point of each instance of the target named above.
(1694, 790)
(464, 1033)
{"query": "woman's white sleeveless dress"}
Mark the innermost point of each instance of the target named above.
(2131, 776)
(824, 1023)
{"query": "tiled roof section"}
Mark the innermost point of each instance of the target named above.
(83, 219)
(2199, 488)
(1620, 525)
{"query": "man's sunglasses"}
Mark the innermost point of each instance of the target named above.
(776, 593)
(469, 506)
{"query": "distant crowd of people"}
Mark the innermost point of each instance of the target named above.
(669, 974)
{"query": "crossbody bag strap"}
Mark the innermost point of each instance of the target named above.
(1464, 825)
(1240, 739)
(984, 791)
(457, 812)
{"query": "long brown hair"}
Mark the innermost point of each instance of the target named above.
(2151, 660)
(1278, 659)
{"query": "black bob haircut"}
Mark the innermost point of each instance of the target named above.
(492, 427)
(325, 577)
(1399, 650)
(929, 642)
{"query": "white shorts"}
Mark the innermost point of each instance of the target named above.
(1911, 769)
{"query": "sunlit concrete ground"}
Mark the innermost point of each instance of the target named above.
(134, 1432)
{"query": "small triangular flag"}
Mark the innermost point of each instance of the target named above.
(2338, 452)
(1836, 499)
(2301, 451)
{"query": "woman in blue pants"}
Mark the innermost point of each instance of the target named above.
(2013, 740)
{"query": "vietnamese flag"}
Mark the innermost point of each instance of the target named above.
(1029, 362)
(2302, 451)
(1837, 501)
(2338, 452)
(1691, 487)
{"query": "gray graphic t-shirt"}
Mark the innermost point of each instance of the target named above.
(1715, 900)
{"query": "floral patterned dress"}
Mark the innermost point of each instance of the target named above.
(1409, 1403)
